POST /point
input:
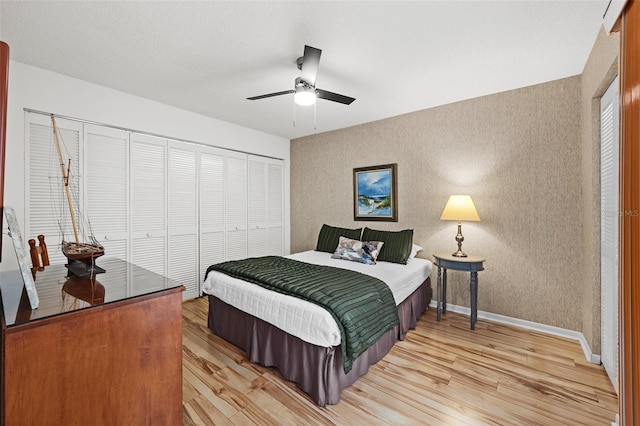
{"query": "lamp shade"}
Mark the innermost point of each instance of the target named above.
(460, 208)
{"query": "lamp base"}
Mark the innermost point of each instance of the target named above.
(459, 240)
(459, 253)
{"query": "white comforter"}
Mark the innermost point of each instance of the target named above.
(307, 320)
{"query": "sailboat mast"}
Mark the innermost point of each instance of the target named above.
(65, 177)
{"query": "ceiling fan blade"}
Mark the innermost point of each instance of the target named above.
(310, 62)
(269, 95)
(335, 97)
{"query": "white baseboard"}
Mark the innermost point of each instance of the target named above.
(549, 329)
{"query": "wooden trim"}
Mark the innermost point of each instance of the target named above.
(4, 95)
(629, 344)
(4, 91)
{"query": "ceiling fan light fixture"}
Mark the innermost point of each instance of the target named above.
(304, 89)
(305, 96)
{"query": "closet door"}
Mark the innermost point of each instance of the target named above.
(609, 207)
(257, 206)
(148, 202)
(107, 187)
(183, 217)
(45, 202)
(265, 207)
(236, 205)
(212, 208)
(275, 207)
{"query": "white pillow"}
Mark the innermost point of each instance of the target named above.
(414, 250)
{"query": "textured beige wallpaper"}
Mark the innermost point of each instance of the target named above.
(517, 153)
(600, 69)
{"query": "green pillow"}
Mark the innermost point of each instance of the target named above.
(330, 235)
(397, 244)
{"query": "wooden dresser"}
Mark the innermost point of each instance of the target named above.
(105, 353)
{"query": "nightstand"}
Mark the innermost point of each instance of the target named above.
(471, 264)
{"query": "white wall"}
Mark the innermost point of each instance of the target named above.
(41, 90)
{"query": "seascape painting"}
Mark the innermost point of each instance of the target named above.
(375, 193)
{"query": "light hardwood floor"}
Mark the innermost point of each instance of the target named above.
(442, 374)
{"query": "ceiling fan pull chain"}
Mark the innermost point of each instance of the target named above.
(315, 108)
(294, 114)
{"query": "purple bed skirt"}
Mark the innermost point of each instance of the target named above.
(316, 369)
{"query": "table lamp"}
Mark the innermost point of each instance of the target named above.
(460, 207)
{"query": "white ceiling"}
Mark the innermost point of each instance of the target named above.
(393, 57)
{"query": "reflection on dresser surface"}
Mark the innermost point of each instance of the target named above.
(102, 351)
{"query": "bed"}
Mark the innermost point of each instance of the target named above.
(303, 340)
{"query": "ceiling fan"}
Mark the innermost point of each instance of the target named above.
(305, 89)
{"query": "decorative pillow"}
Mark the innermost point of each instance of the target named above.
(358, 251)
(397, 244)
(329, 235)
(414, 250)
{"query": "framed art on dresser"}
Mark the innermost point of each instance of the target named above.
(21, 254)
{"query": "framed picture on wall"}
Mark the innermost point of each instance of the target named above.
(375, 191)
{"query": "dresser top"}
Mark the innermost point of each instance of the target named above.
(59, 294)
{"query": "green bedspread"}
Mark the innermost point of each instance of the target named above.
(363, 306)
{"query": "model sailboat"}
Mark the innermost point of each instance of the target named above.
(84, 249)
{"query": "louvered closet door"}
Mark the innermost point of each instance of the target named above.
(609, 205)
(148, 202)
(257, 206)
(107, 160)
(212, 208)
(236, 205)
(275, 207)
(183, 217)
(46, 204)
